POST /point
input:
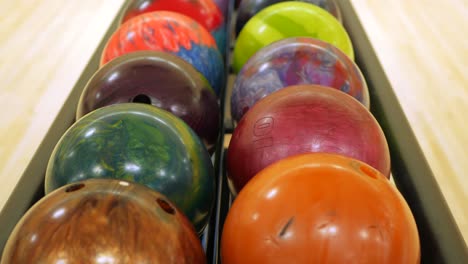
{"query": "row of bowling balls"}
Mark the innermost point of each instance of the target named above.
(128, 181)
(162, 55)
(309, 167)
(281, 101)
(308, 164)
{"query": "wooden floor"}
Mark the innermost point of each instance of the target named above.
(45, 45)
(425, 55)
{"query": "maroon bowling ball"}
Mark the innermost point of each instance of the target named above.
(161, 79)
(303, 119)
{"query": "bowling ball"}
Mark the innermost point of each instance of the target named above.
(248, 8)
(295, 61)
(303, 119)
(103, 221)
(204, 12)
(319, 208)
(288, 19)
(173, 33)
(161, 79)
(138, 143)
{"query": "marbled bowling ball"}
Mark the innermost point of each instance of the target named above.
(248, 8)
(139, 143)
(294, 61)
(204, 12)
(289, 19)
(103, 221)
(319, 208)
(304, 119)
(161, 79)
(173, 33)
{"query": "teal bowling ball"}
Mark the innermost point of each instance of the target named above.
(138, 143)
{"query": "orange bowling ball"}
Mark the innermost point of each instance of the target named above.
(320, 208)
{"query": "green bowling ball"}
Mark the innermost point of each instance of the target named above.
(138, 143)
(289, 19)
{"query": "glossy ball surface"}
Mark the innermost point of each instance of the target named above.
(319, 208)
(284, 20)
(204, 12)
(248, 8)
(160, 79)
(303, 119)
(138, 143)
(294, 61)
(103, 221)
(173, 33)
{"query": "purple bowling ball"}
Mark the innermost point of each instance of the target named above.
(295, 61)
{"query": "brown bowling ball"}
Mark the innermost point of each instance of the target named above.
(103, 221)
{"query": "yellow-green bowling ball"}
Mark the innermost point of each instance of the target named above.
(289, 19)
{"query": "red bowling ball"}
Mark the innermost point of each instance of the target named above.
(302, 119)
(204, 12)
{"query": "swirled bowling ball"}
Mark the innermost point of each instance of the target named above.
(103, 221)
(173, 33)
(139, 143)
(204, 12)
(295, 61)
(303, 119)
(319, 208)
(289, 19)
(248, 8)
(160, 79)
